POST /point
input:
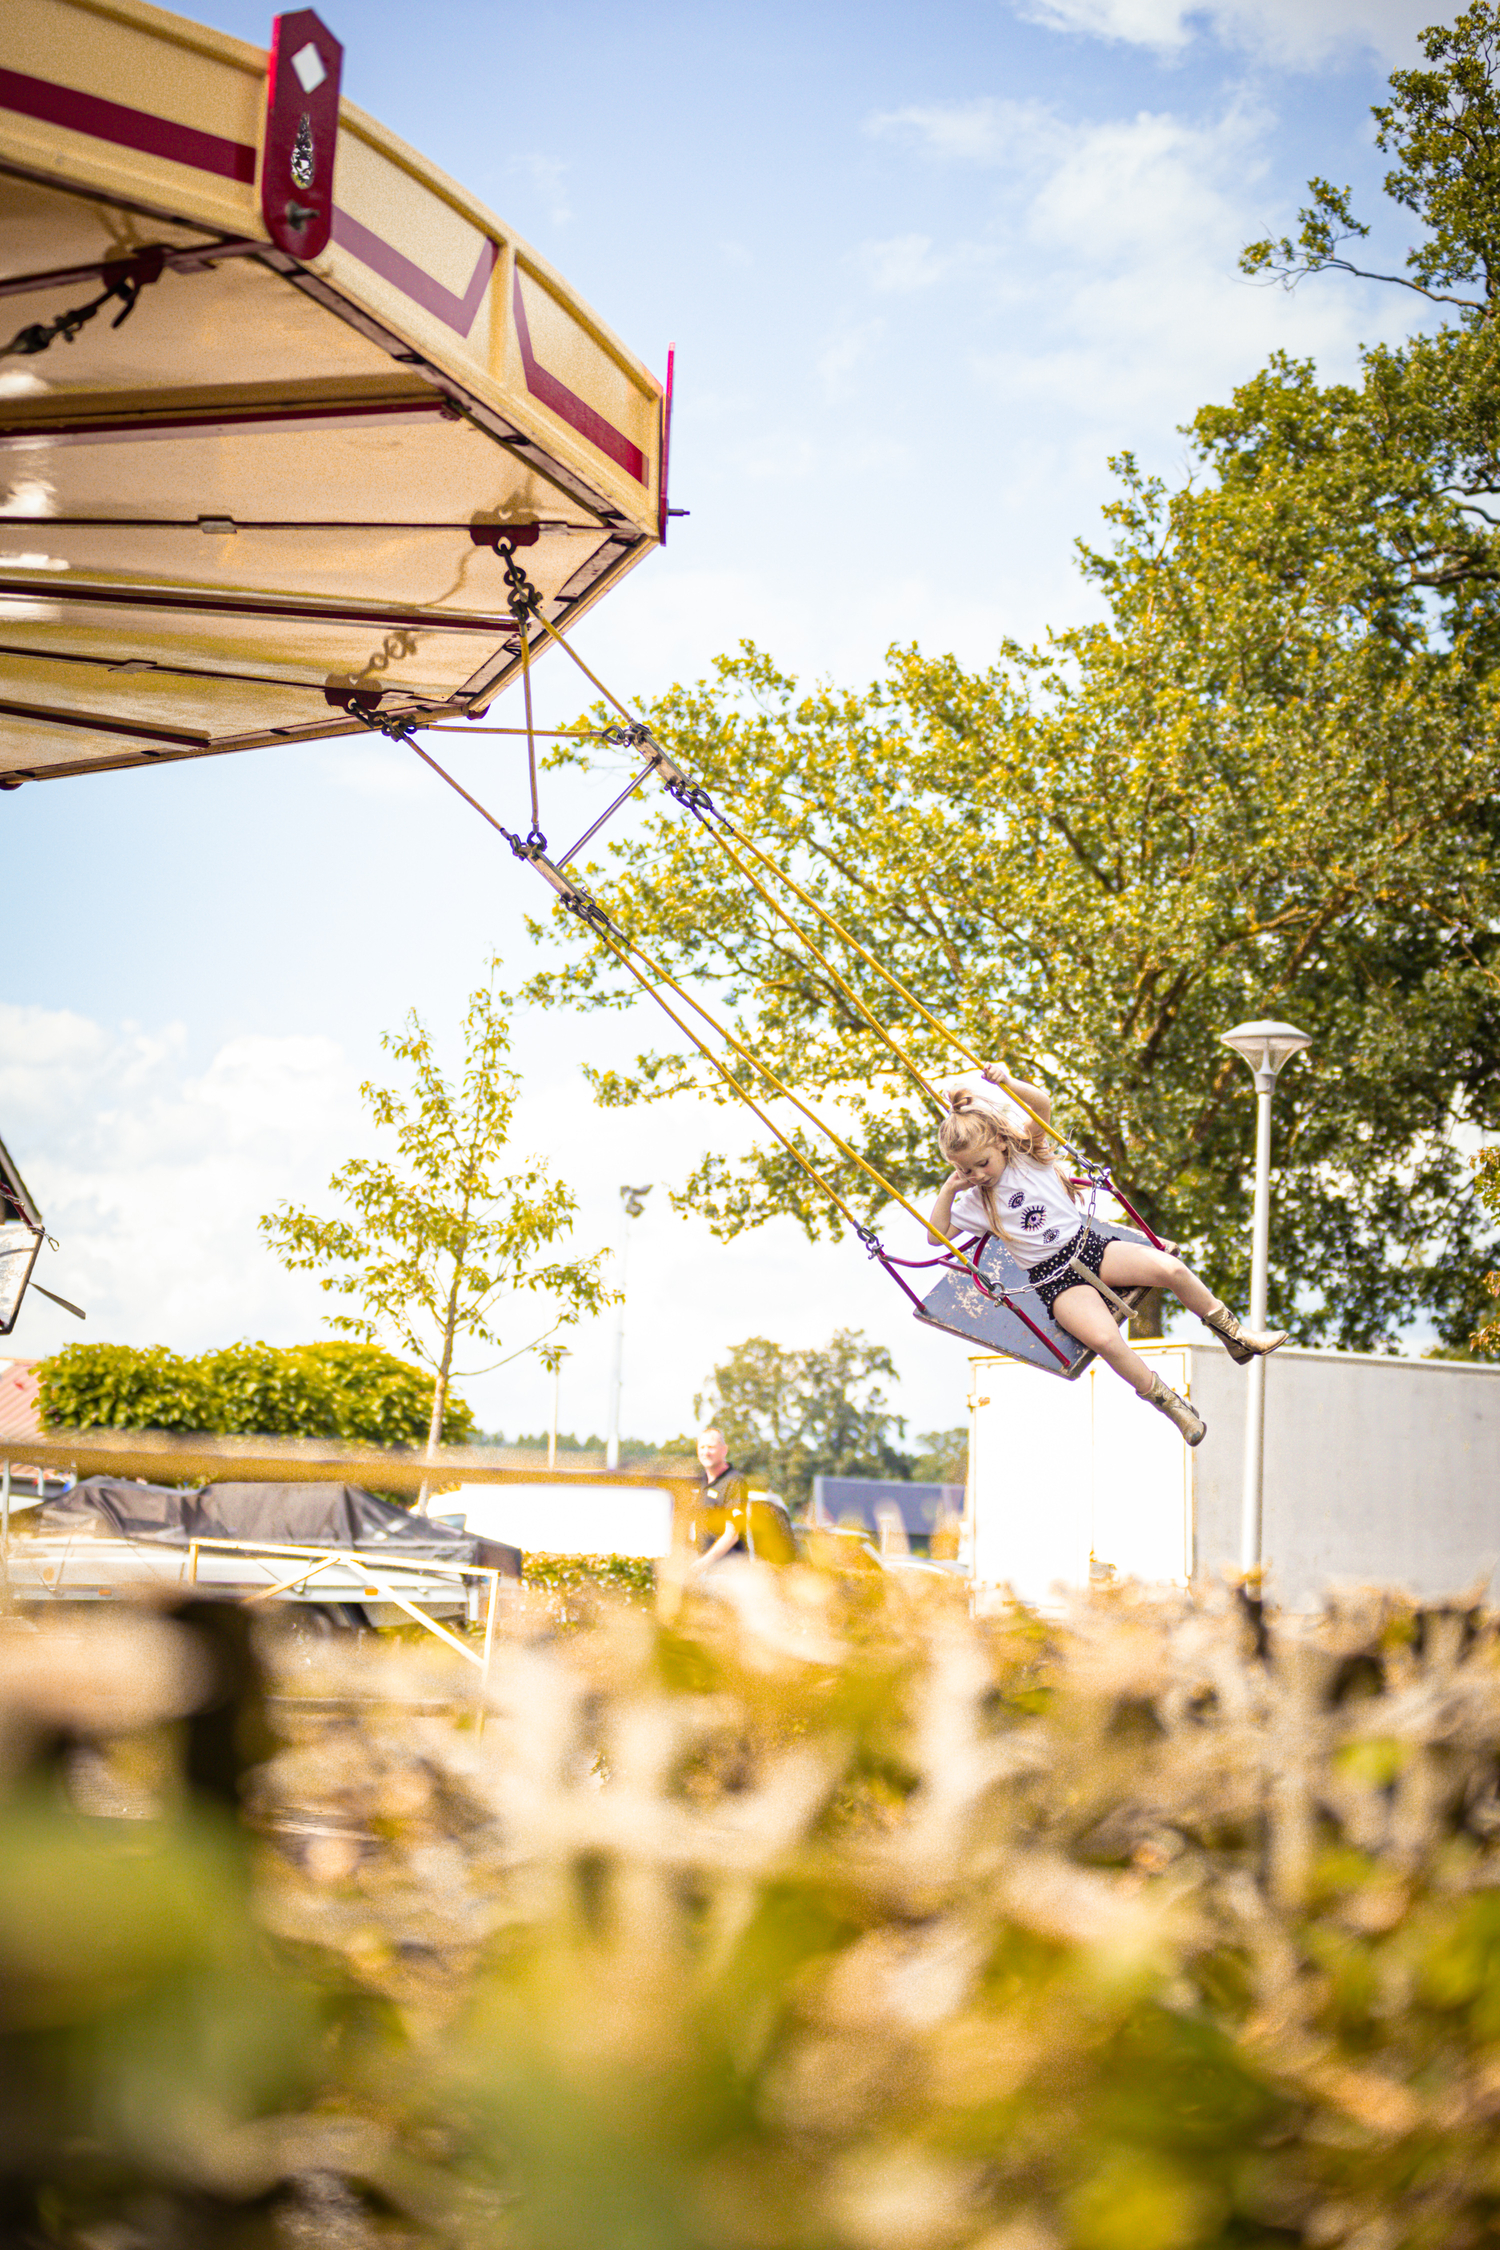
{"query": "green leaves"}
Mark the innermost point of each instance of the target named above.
(354, 1392)
(793, 1415)
(1233, 798)
(432, 1242)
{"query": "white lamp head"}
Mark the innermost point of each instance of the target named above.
(1266, 1046)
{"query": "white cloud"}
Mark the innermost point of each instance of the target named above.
(1294, 34)
(839, 358)
(1118, 290)
(152, 1176)
(984, 130)
(907, 262)
(1151, 190)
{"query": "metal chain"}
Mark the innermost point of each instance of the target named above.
(125, 284)
(525, 603)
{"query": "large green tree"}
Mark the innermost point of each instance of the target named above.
(792, 1415)
(1266, 782)
(437, 1242)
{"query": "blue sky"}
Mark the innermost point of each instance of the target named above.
(925, 273)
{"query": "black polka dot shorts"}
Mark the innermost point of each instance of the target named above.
(1052, 1276)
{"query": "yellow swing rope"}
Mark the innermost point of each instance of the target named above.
(536, 809)
(832, 921)
(622, 947)
(904, 1058)
(732, 1082)
(817, 908)
(894, 982)
(746, 1055)
(819, 956)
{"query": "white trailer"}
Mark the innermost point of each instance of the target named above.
(1377, 1470)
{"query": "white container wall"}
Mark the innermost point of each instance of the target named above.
(1378, 1470)
(566, 1519)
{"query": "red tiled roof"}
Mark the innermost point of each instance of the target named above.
(18, 1414)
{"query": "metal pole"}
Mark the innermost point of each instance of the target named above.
(489, 1650)
(5, 1528)
(552, 1432)
(617, 1370)
(1260, 1258)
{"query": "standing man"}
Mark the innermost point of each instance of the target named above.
(726, 1516)
(726, 1498)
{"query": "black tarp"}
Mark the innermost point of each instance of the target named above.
(285, 1515)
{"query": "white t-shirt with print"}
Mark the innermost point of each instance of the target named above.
(1037, 1214)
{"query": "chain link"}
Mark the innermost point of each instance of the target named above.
(525, 601)
(126, 285)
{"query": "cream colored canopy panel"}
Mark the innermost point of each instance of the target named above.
(277, 484)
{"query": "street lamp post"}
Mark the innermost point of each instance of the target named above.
(634, 1200)
(560, 1353)
(1265, 1047)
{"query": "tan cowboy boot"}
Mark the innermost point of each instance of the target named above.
(1241, 1343)
(1177, 1411)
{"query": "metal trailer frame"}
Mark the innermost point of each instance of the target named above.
(163, 1459)
(315, 1561)
(108, 1568)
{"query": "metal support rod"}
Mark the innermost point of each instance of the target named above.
(633, 1200)
(1266, 1046)
(617, 1360)
(489, 1647)
(562, 1354)
(608, 814)
(1255, 1398)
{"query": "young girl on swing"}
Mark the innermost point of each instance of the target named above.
(1006, 1182)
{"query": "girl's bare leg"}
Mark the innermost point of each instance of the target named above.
(1084, 1314)
(1134, 1265)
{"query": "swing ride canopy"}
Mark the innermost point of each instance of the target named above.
(255, 495)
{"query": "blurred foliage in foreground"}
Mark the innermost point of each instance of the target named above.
(355, 1392)
(804, 1913)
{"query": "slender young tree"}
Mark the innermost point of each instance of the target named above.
(436, 1240)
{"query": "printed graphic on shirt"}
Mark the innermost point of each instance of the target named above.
(1052, 1234)
(1033, 1215)
(1015, 1201)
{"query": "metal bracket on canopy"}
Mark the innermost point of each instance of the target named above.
(124, 278)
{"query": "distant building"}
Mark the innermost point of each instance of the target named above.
(901, 1517)
(18, 1408)
(20, 1419)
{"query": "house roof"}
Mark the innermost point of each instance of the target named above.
(18, 1407)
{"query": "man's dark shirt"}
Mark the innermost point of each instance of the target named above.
(763, 1526)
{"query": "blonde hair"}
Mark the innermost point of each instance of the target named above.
(965, 1132)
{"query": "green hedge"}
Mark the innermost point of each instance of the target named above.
(633, 1576)
(353, 1392)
